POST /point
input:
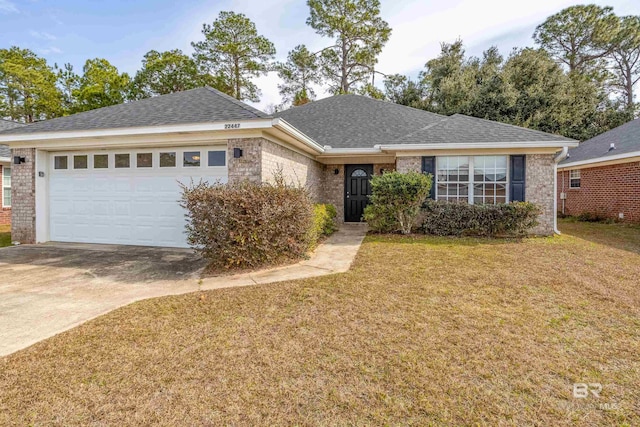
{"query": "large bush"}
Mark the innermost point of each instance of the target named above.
(248, 225)
(395, 201)
(454, 219)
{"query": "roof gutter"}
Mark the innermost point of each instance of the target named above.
(472, 145)
(601, 159)
(285, 127)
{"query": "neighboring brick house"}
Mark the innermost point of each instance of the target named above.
(5, 176)
(112, 175)
(601, 177)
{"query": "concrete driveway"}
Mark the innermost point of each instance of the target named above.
(47, 289)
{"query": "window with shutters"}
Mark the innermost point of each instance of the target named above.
(574, 178)
(472, 179)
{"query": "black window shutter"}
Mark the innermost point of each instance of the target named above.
(429, 166)
(518, 173)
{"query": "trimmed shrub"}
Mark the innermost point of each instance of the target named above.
(395, 201)
(443, 218)
(248, 225)
(324, 224)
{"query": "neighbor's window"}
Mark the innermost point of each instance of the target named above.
(60, 162)
(574, 178)
(80, 162)
(191, 158)
(217, 158)
(6, 187)
(122, 160)
(486, 175)
(144, 160)
(100, 161)
(168, 160)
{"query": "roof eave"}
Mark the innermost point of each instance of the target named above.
(476, 145)
(596, 160)
(254, 124)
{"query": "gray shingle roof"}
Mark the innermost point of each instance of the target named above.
(201, 105)
(626, 139)
(459, 128)
(353, 121)
(4, 125)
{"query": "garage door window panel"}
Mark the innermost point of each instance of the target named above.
(101, 161)
(191, 159)
(122, 161)
(60, 162)
(217, 158)
(81, 162)
(168, 160)
(144, 160)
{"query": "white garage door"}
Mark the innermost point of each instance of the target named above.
(127, 197)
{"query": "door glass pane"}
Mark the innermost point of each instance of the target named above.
(167, 160)
(60, 162)
(80, 162)
(359, 173)
(122, 161)
(217, 158)
(191, 158)
(100, 161)
(144, 160)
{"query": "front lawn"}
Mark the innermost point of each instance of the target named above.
(422, 331)
(5, 235)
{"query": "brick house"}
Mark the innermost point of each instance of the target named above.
(112, 175)
(5, 176)
(601, 176)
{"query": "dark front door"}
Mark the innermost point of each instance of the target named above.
(357, 190)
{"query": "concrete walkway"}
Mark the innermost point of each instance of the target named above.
(50, 288)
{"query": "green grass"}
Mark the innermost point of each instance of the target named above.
(421, 331)
(5, 236)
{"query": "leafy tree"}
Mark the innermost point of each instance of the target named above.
(493, 98)
(360, 34)
(368, 89)
(626, 59)
(165, 72)
(28, 89)
(579, 36)
(298, 74)
(233, 52)
(100, 85)
(448, 80)
(68, 83)
(404, 91)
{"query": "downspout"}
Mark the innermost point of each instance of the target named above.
(557, 159)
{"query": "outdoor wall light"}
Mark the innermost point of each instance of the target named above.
(336, 171)
(17, 160)
(237, 153)
(381, 171)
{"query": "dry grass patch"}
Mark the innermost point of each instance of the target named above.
(422, 331)
(5, 235)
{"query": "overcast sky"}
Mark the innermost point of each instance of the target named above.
(122, 31)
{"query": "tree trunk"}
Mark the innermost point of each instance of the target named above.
(237, 76)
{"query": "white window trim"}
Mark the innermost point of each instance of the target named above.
(470, 196)
(4, 188)
(572, 177)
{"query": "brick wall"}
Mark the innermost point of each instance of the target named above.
(605, 190)
(249, 166)
(5, 213)
(23, 197)
(539, 189)
(407, 164)
(296, 168)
